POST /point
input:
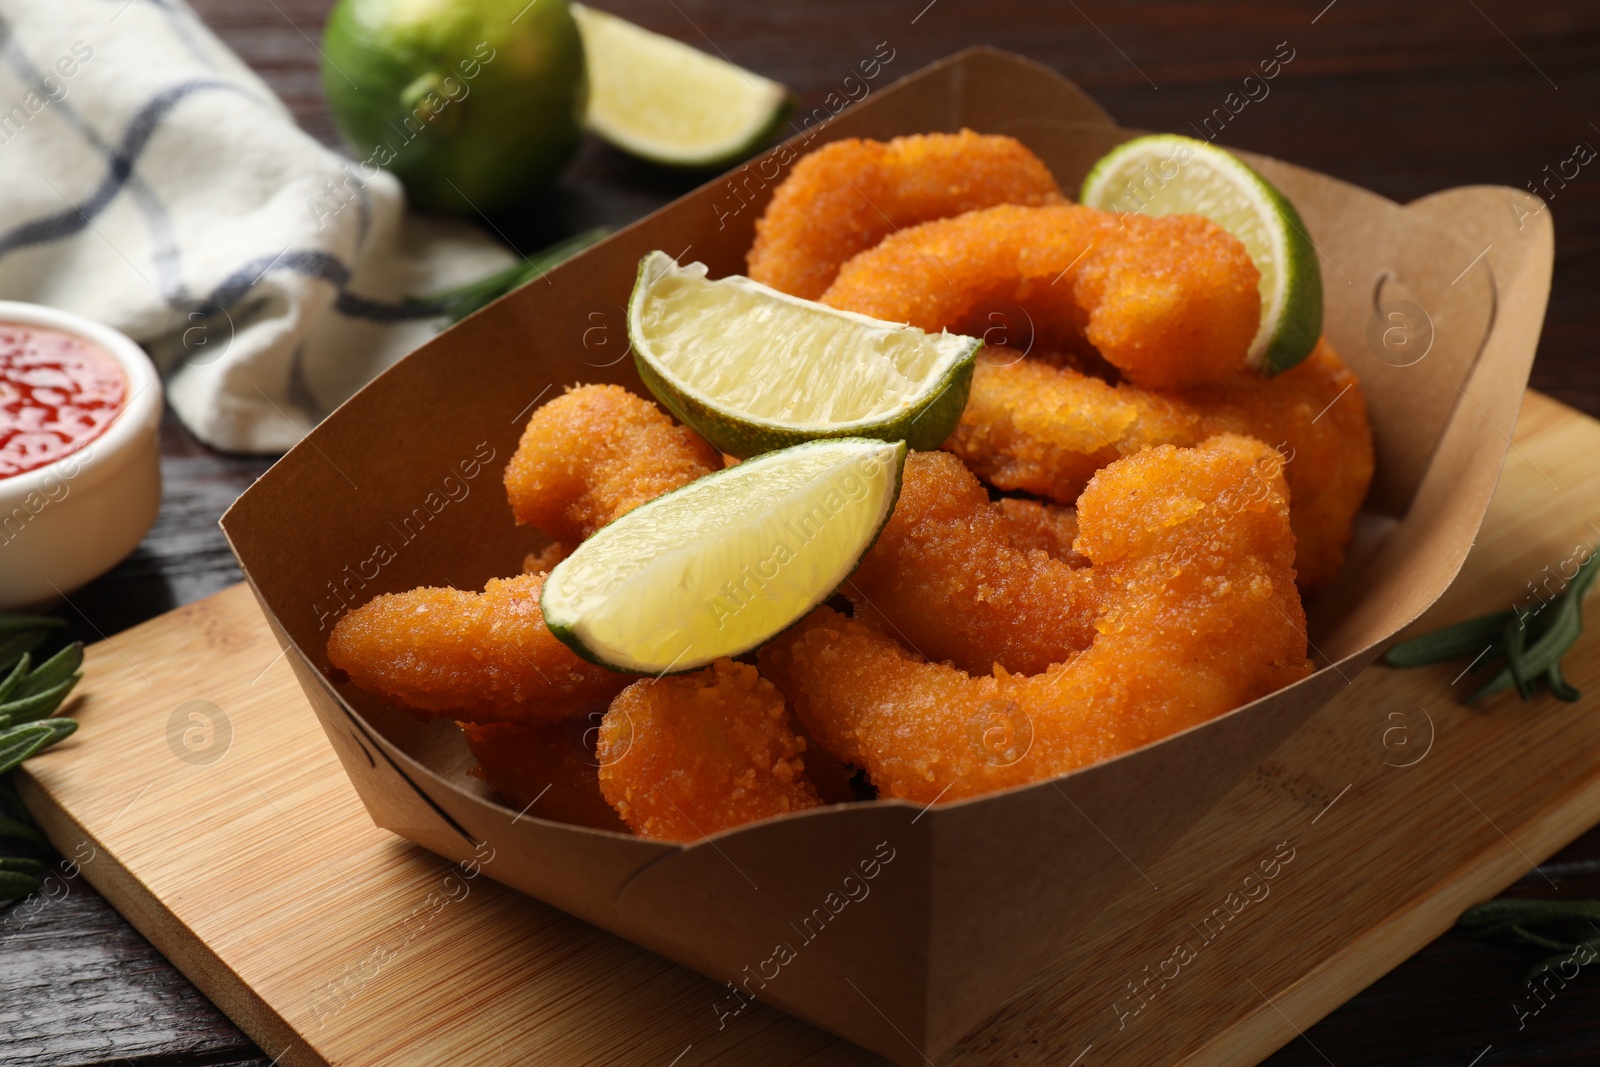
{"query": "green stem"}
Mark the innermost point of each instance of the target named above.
(456, 304)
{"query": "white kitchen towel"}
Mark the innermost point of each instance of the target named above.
(150, 181)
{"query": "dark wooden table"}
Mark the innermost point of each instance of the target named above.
(1403, 99)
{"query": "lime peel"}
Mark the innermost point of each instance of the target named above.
(717, 567)
(754, 369)
(663, 101)
(472, 104)
(1168, 174)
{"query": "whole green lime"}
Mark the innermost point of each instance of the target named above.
(473, 104)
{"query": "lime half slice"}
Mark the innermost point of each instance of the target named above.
(661, 100)
(1165, 174)
(754, 369)
(717, 567)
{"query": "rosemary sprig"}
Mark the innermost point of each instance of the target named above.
(29, 698)
(23, 849)
(1531, 646)
(1563, 928)
(457, 304)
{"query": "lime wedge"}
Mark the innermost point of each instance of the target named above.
(754, 369)
(663, 101)
(1165, 174)
(717, 567)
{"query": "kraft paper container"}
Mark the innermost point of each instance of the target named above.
(401, 487)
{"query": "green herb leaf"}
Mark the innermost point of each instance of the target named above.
(23, 865)
(11, 623)
(1559, 687)
(1532, 645)
(14, 679)
(17, 830)
(53, 671)
(1496, 917)
(38, 705)
(17, 743)
(1452, 642)
(1498, 684)
(1515, 640)
(1562, 927)
(14, 886)
(13, 646)
(1567, 622)
(1559, 629)
(27, 695)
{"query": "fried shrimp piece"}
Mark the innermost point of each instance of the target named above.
(595, 453)
(1316, 414)
(687, 756)
(847, 196)
(1171, 301)
(1050, 528)
(1195, 559)
(481, 657)
(1041, 429)
(946, 578)
(537, 769)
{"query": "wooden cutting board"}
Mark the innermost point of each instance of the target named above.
(203, 800)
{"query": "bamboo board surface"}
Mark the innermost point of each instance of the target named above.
(203, 800)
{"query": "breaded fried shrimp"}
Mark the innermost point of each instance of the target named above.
(847, 196)
(1192, 551)
(594, 454)
(1171, 301)
(1040, 429)
(1035, 428)
(1317, 414)
(946, 578)
(687, 756)
(482, 657)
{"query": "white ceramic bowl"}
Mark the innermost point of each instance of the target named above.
(68, 522)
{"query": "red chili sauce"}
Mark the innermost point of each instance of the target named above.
(58, 392)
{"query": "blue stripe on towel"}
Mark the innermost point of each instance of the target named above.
(121, 162)
(134, 141)
(165, 253)
(313, 263)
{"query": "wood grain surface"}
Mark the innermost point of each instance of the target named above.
(244, 854)
(1402, 99)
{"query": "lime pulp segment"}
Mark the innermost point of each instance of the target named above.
(662, 100)
(753, 368)
(719, 566)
